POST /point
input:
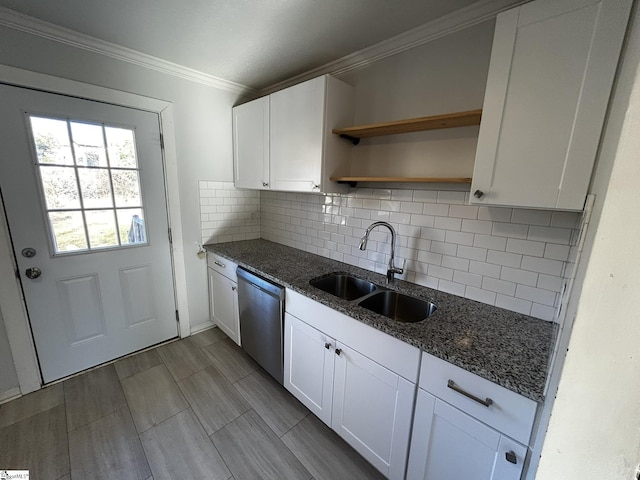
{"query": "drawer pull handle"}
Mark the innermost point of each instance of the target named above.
(338, 351)
(487, 402)
(327, 345)
(222, 265)
(511, 457)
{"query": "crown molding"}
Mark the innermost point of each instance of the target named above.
(24, 23)
(475, 14)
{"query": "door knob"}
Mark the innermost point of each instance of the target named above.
(33, 272)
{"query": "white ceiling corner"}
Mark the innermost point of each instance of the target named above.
(447, 24)
(50, 31)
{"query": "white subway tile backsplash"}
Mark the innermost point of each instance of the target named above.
(485, 269)
(543, 311)
(461, 264)
(489, 242)
(480, 295)
(525, 247)
(446, 223)
(550, 234)
(411, 207)
(542, 265)
(536, 295)
(453, 198)
(444, 248)
(514, 304)
(477, 226)
(422, 220)
(467, 278)
(557, 252)
(504, 258)
(451, 287)
(472, 253)
(492, 255)
(436, 209)
(565, 219)
(463, 211)
(498, 286)
(441, 272)
(510, 230)
(495, 214)
(531, 217)
(459, 238)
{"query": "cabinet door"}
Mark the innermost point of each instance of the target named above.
(308, 366)
(251, 144)
(297, 120)
(372, 410)
(449, 444)
(552, 67)
(223, 304)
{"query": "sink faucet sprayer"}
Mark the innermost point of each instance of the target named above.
(363, 246)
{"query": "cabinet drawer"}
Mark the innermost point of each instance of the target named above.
(222, 266)
(508, 412)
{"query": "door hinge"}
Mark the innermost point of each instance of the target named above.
(17, 272)
(162, 141)
(170, 237)
(177, 316)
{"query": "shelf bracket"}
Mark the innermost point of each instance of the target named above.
(350, 183)
(354, 140)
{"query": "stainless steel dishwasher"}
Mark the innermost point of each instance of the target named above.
(261, 305)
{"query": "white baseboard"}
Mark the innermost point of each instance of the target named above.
(10, 394)
(202, 326)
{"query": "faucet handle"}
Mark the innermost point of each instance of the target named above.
(400, 270)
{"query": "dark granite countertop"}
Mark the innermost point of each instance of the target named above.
(504, 347)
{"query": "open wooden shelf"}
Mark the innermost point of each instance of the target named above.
(354, 180)
(434, 122)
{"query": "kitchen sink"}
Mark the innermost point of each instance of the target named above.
(398, 306)
(343, 285)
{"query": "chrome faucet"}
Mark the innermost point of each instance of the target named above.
(392, 270)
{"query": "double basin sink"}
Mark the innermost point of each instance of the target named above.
(393, 305)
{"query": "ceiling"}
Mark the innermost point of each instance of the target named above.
(255, 43)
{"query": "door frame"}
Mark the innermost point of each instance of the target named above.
(11, 297)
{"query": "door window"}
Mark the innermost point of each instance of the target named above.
(90, 181)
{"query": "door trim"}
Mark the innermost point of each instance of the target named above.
(11, 299)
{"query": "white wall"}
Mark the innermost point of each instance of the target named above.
(8, 377)
(444, 76)
(594, 432)
(202, 127)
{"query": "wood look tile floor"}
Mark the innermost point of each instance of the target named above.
(197, 408)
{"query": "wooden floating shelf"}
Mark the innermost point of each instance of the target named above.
(435, 122)
(353, 180)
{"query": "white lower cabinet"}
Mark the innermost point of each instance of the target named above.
(448, 444)
(372, 410)
(367, 404)
(223, 297)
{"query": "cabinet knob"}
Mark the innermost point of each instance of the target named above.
(478, 194)
(316, 187)
(327, 345)
(511, 457)
(338, 351)
(234, 288)
(265, 184)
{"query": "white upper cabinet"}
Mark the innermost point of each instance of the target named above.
(304, 152)
(284, 142)
(552, 67)
(251, 144)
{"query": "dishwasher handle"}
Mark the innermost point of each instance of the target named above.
(260, 283)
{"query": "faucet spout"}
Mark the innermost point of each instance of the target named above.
(392, 269)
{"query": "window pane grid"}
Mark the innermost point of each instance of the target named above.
(87, 208)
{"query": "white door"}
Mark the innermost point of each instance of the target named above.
(372, 410)
(83, 187)
(223, 297)
(296, 123)
(251, 144)
(449, 444)
(308, 366)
